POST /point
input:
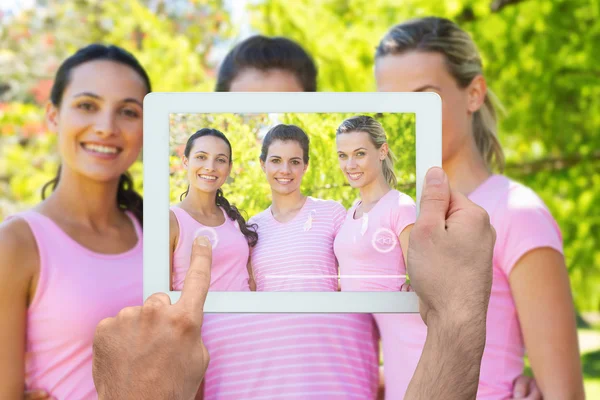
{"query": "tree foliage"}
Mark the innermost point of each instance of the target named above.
(248, 188)
(541, 59)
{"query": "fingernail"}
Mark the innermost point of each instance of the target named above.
(435, 176)
(202, 241)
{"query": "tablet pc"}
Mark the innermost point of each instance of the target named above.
(170, 117)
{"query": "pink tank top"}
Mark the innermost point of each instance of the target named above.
(230, 252)
(77, 288)
(228, 272)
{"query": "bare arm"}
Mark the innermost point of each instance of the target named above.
(452, 242)
(173, 239)
(251, 280)
(404, 236)
(18, 261)
(542, 294)
(450, 362)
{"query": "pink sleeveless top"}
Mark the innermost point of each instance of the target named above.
(230, 252)
(228, 273)
(77, 288)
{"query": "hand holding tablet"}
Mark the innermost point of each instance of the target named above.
(156, 351)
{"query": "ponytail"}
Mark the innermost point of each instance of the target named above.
(387, 166)
(234, 214)
(484, 132)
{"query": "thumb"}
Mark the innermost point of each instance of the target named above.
(435, 200)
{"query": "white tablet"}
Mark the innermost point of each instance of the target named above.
(413, 125)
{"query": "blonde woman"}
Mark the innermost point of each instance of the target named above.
(531, 306)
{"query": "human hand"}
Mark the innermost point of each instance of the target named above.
(37, 395)
(450, 254)
(525, 388)
(156, 350)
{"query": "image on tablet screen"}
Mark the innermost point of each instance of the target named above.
(293, 202)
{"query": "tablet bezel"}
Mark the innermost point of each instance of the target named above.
(426, 106)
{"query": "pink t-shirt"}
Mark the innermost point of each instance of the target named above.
(368, 248)
(522, 223)
(299, 356)
(77, 288)
(230, 252)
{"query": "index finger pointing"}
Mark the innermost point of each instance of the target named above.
(197, 279)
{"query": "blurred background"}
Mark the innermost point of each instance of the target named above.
(541, 58)
(247, 185)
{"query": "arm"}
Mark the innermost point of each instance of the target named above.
(251, 280)
(18, 261)
(173, 239)
(450, 362)
(452, 242)
(542, 294)
(404, 236)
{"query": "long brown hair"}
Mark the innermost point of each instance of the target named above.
(249, 231)
(127, 198)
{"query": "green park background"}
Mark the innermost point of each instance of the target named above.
(541, 58)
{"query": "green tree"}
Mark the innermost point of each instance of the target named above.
(248, 188)
(541, 59)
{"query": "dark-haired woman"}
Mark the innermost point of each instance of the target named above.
(76, 257)
(205, 210)
(267, 64)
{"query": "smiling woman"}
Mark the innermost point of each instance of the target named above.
(76, 258)
(204, 209)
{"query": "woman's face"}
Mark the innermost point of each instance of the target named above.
(272, 80)
(427, 72)
(209, 164)
(100, 119)
(284, 166)
(359, 159)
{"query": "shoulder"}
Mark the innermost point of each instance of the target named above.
(522, 222)
(173, 222)
(517, 201)
(259, 218)
(331, 206)
(19, 255)
(401, 199)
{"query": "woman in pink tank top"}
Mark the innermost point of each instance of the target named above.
(75, 258)
(204, 210)
(531, 306)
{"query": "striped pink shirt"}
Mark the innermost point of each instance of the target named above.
(300, 356)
